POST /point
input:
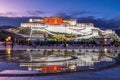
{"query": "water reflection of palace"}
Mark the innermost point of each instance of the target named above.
(8, 52)
(47, 61)
(50, 60)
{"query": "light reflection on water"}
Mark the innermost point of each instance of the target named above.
(85, 59)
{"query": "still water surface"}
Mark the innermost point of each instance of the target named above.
(6, 58)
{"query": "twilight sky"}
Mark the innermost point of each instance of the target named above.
(76, 8)
(103, 13)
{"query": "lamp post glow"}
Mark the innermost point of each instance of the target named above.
(105, 50)
(28, 39)
(8, 52)
(105, 41)
(9, 37)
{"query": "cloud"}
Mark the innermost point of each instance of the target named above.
(98, 22)
(64, 15)
(21, 14)
(102, 23)
(77, 13)
(8, 14)
(35, 13)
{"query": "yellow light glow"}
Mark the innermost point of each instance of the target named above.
(105, 50)
(8, 51)
(28, 39)
(9, 37)
(41, 20)
(65, 21)
(105, 40)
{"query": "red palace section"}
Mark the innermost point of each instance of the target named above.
(53, 21)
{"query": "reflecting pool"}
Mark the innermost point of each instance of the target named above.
(53, 61)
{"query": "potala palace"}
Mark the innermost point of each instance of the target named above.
(57, 26)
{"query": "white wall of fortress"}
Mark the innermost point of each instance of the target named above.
(80, 28)
(72, 28)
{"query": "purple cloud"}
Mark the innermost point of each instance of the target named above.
(8, 14)
(76, 14)
(35, 13)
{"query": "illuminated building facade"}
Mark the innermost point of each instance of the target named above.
(57, 26)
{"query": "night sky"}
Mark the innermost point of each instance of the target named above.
(105, 10)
